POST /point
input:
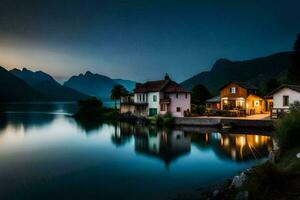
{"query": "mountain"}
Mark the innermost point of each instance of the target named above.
(30, 77)
(13, 88)
(128, 84)
(256, 71)
(97, 85)
(92, 84)
(47, 86)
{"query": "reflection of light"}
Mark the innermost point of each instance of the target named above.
(233, 154)
(206, 137)
(256, 139)
(226, 142)
(241, 141)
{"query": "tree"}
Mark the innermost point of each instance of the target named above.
(294, 70)
(271, 85)
(117, 92)
(199, 94)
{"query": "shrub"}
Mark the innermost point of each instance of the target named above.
(288, 129)
(164, 120)
(93, 109)
(198, 109)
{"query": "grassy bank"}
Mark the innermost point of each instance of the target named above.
(273, 181)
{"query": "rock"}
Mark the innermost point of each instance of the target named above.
(215, 193)
(238, 180)
(243, 195)
(298, 155)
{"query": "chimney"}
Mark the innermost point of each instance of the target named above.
(167, 77)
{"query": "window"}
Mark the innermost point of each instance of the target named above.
(163, 107)
(154, 98)
(286, 101)
(176, 95)
(232, 90)
(178, 109)
(186, 95)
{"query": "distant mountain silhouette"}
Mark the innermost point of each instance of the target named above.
(256, 71)
(96, 84)
(13, 89)
(128, 84)
(47, 86)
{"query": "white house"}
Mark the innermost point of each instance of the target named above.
(158, 97)
(282, 98)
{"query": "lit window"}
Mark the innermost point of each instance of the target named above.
(232, 90)
(286, 101)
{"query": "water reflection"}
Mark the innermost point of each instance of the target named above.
(238, 147)
(168, 145)
(52, 155)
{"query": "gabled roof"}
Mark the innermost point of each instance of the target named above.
(166, 85)
(215, 99)
(245, 85)
(292, 87)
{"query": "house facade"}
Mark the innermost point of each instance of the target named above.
(158, 98)
(242, 97)
(282, 98)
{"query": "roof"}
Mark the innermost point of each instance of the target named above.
(166, 85)
(215, 99)
(292, 87)
(242, 84)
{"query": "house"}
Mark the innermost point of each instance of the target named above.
(281, 99)
(242, 98)
(157, 98)
(213, 104)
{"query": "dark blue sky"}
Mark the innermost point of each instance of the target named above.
(142, 40)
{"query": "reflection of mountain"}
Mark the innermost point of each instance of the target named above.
(25, 120)
(239, 147)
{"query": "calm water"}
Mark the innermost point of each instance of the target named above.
(45, 154)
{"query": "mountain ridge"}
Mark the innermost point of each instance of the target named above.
(46, 85)
(255, 71)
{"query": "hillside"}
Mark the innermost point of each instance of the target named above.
(47, 86)
(256, 71)
(128, 84)
(15, 89)
(96, 84)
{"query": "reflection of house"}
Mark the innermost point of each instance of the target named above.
(282, 97)
(241, 97)
(235, 146)
(157, 97)
(165, 146)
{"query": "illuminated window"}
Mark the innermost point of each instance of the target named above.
(232, 90)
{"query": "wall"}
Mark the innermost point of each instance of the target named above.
(125, 108)
(240, 92)
(261, 108)
(278, 97)
(151, 103)
(182, 102)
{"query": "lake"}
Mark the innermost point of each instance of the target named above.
(46, 154)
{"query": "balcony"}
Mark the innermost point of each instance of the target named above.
(165, 101)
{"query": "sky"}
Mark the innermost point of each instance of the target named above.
(141, 40)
